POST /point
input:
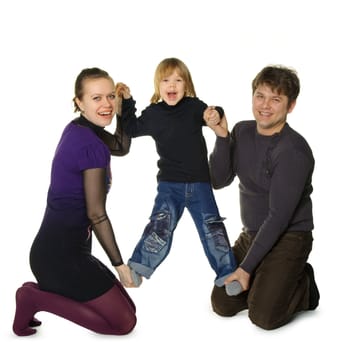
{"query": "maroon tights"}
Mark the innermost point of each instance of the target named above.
(111, 313)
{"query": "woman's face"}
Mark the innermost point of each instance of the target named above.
(98, 103)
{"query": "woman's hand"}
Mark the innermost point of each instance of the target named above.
(125, 276)
(122, 90)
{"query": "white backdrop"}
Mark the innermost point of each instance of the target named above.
(45, 44)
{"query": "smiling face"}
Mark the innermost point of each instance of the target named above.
(172, 88)
(270, 110)
(98, 102)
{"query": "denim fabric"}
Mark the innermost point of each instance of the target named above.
(171, 200)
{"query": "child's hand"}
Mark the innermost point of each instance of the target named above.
(122, 90)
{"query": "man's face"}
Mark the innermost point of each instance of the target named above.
(270, 110)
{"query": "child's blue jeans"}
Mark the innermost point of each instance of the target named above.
(170, 202)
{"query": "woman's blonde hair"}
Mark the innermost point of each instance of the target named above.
(166, 68)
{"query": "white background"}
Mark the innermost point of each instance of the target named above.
(45, 44)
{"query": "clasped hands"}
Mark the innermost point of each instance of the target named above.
(212, 118)
(122, 90)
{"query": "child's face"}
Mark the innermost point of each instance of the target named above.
(172, 88)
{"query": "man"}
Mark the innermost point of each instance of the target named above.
(274, 165)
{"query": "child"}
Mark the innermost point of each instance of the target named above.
(175, 119)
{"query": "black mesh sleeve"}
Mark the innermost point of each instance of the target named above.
(95, 193)
(119, 142)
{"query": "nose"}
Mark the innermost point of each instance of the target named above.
(107, 101)
(265, 103)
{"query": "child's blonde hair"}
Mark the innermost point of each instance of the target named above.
(166, 68)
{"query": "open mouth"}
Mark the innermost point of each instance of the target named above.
(105, 114)
(172, 95)
(265, 115)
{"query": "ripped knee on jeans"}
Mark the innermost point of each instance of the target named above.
(157, 232)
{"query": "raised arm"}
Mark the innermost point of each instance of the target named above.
(119, 142)
(215, 118)
(221, 159)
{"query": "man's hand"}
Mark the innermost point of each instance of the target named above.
(211, 116)
(241, 276)
(218, 125)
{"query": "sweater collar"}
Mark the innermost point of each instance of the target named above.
(81, 120)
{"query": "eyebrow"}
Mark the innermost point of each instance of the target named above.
(99, 94)
(274, 93)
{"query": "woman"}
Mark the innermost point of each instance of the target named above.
(72, 283)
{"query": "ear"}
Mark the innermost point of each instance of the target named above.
(79, 104)
(291, 107)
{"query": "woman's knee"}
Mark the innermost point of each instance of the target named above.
(115, 310)
(125, 324)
